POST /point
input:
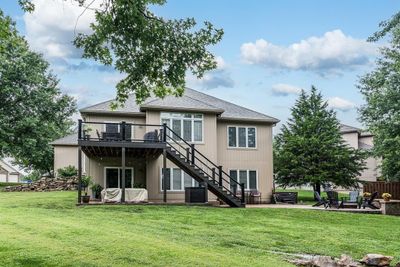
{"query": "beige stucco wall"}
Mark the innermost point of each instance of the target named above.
(369, 140)
(351, 139)
(259, 158)
(371, 171)
(65, 156)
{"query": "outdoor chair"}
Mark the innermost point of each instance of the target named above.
(255, 194)
(321, 200)
(151, 136)
(285, 197)
(352, 200)
(333, 199)
(369, 202)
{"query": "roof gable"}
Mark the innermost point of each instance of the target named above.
(349, 129)
(7, 167)
(191, 100)
(69, 140)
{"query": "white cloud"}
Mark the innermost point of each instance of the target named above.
(221, 64)
(81, 94)
(220, 77)
(340, 104)
(334, 51)
(282, 89)
(113, 79)
(50, 28)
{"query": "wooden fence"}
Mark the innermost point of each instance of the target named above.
(392, 188)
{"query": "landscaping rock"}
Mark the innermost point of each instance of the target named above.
(347, 261)
(376, 260)
(325, 261)
(46, 184)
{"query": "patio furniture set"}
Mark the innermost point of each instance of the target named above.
(354, 200)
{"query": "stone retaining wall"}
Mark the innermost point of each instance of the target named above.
(46, 184)
(391, 207)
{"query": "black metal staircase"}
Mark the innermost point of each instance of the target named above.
(202, 169)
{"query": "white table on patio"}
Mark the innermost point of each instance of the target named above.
(131, 195)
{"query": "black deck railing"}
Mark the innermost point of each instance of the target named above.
(129, 132)
(124, 131)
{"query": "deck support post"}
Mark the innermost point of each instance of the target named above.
(164, 175)
(193, 156)
(205, 192)
(220, 175)
(242, 190)
(79, 175)
(123, 175)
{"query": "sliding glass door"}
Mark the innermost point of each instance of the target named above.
(113, 177)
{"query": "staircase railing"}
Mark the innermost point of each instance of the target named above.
(198, 160)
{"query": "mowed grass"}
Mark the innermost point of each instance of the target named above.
(47, 229)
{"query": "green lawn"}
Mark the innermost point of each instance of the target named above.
(47, 229)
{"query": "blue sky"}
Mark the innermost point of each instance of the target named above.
(269, 51)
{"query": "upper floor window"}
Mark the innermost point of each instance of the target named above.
(244, 137)
(187, 125)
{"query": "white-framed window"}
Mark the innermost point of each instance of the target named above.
(189, 126)
(248, 177)
(242, 137)
(113, 175)
(177, 180)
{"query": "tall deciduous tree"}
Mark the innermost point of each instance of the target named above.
(33, 111)
(155, 53)
(381, 91)
(310, 148)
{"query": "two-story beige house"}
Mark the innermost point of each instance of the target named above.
(166, 145)
(359, 139)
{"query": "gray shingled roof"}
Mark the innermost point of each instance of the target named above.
(348, 129)
(366, 133)
(191, 100)
(69, 140)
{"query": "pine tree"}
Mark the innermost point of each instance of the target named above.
(310, 149)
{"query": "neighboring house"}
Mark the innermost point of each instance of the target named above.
(360, 139)
(8, 173)
(197, 133)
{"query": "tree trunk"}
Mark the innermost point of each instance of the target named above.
(317, 187)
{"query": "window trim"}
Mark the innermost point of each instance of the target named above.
(164, 115)
(237, 136)
(171, 181)
(118, 167)
(247, 178)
